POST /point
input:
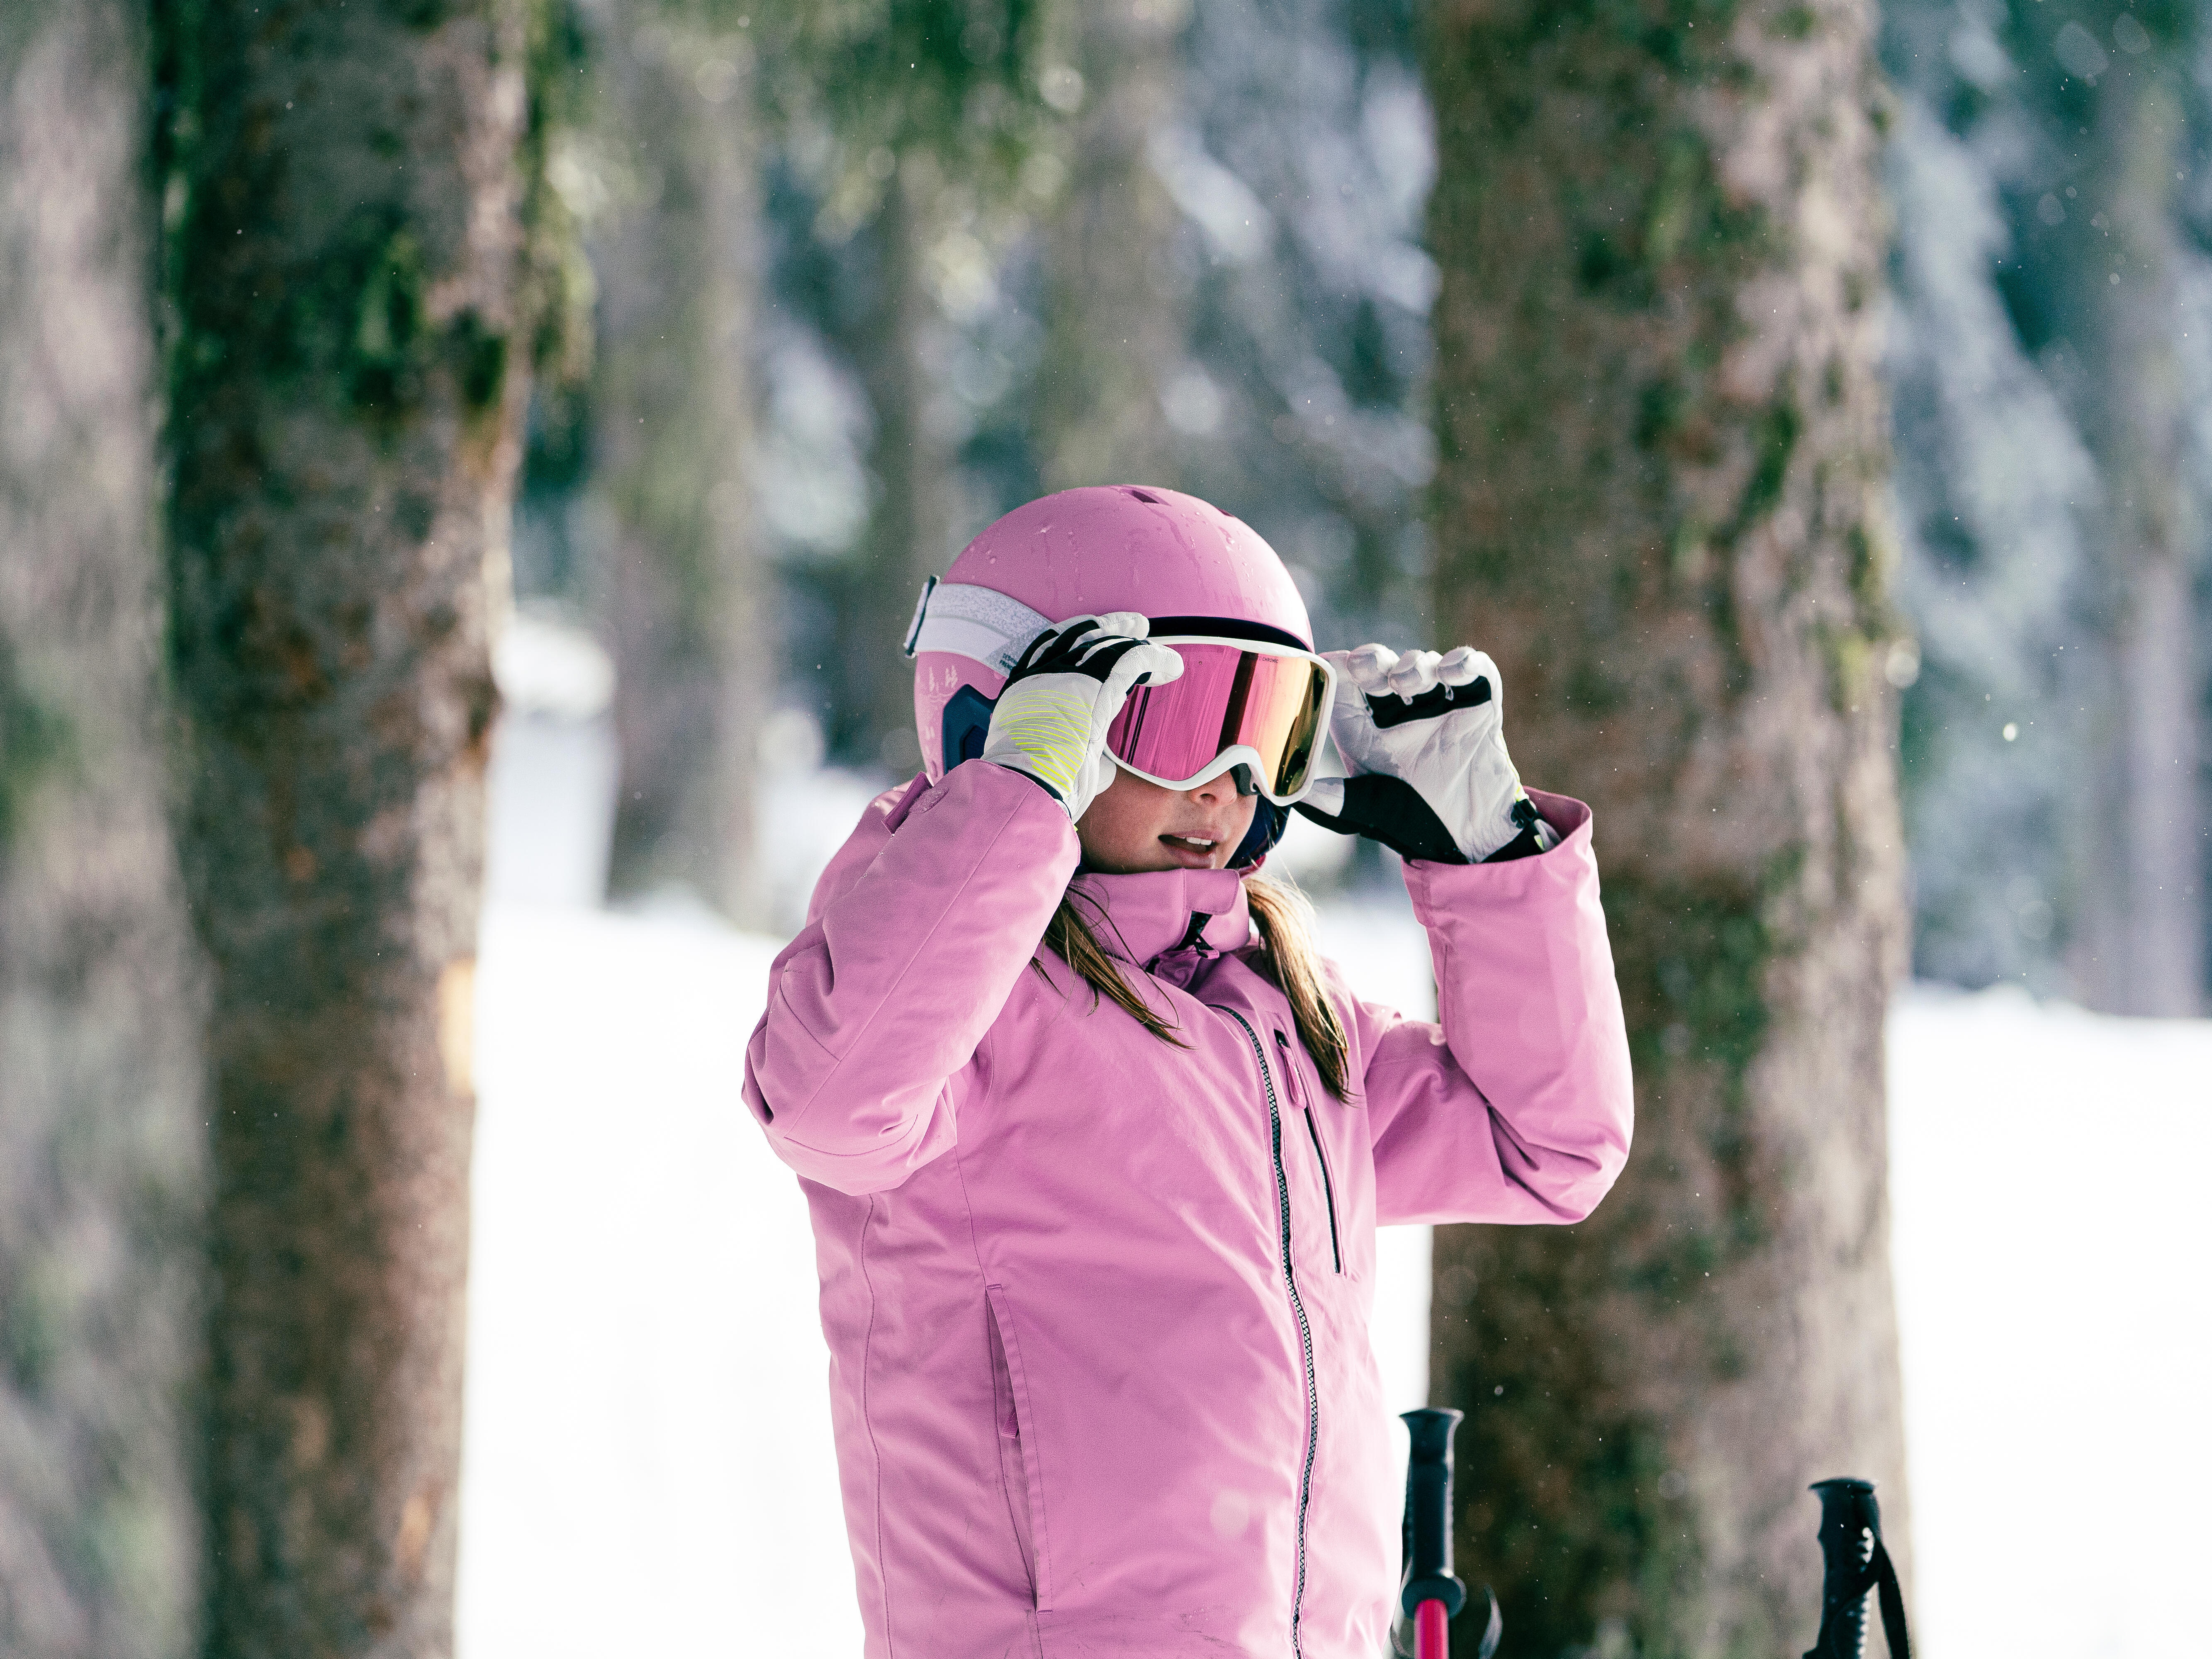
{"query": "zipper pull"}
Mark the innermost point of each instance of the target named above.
(1290, 1070)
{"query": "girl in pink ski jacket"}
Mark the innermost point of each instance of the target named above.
(1095, 1144)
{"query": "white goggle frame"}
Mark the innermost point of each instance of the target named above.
(993, 629)
(1323, 762)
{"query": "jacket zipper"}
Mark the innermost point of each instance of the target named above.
(1298, 1311)
(1320, 1157)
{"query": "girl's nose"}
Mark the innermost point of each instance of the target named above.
(1217, 790)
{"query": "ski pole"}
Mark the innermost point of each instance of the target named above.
(1431, 1594)
(1853, 1563)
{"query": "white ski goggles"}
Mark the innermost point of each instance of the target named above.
(1253, 703)
(1237, 703)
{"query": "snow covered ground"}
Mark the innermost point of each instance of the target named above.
(648, 1469)
(2053, 1248)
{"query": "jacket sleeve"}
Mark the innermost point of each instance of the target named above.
(1517, 1105)
(859, 1065)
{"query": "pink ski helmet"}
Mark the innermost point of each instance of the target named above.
(1173, 558)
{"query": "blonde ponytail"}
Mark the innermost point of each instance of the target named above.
(1289, 956)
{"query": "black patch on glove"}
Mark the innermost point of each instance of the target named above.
(1524, 845)
(1081, 647)
(1391, 709)
(1391, 810)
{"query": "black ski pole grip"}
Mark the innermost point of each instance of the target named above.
(1853, 1562)
(1428, 1533)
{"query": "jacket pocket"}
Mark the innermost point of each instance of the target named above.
(1020, 1468)
(1298, 1088)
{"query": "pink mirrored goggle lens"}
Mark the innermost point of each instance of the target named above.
(1276, 706)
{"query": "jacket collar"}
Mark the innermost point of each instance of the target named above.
(1147, 918)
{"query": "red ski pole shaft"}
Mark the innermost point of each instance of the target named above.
(1431, 1631)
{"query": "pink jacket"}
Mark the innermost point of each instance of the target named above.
(1097, 1306)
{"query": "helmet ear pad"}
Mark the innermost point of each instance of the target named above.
(941, 679)
(967, 723)
(1268, 821)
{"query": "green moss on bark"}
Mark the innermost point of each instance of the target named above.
(1775, 439)
(36, 742)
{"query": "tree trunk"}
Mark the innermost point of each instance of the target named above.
(909, 535)
(2141, 840)
(99, 1114)
(349, 371)
(1114, 335)
(1659, 507)
(688, 587)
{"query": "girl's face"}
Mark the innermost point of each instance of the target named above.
(1132, 825)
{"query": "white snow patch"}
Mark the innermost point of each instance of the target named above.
(804, 819)
(550, 820)
(2052, 1241)
(1385, 954)
(553, 774)
(647, 1467)
(551, 666)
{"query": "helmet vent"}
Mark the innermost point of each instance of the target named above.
(1146, 497)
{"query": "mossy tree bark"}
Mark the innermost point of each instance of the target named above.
(688, 590)
(1116, 330)
(99, 1108)
(349, 368)
(1659, 507)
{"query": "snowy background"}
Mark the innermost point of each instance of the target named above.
(648, 1468)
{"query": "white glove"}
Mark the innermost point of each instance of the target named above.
(1063, 692)
(1423, 736)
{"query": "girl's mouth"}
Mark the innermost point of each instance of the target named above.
(1197, 849)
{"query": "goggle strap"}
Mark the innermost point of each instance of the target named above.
(979, 624)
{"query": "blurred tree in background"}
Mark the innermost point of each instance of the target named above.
(2142, 945)
(1992, 482)
(1661, 506)
(907, 127)
(349, 279)
(1303, 163)
(1188, 240)
(1115, 327)
(98, 1106)
(687, 596)
(2054, 379)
